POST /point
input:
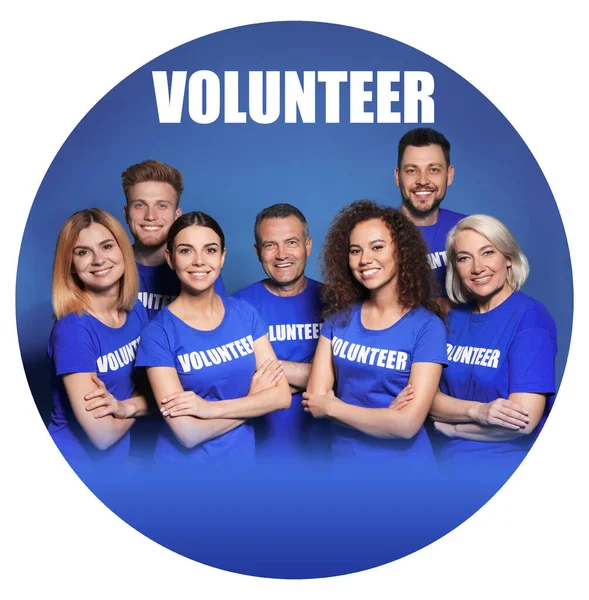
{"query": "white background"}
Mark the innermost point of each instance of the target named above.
(58, 59)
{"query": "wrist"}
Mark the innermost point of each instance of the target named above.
(214, 410)
(331, 410)
(125, 410)
(472, 412)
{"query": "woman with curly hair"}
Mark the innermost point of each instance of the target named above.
(383, 340)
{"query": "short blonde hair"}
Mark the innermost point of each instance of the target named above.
(68, 295)
(498, 235)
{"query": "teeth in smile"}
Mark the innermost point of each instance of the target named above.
(104, 271)
(283, 265)
(369, 271)
(151, 227)
(483, 279)
(199, 274)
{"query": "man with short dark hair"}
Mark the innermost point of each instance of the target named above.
(289, 303)
(152, 190)
(423, 175)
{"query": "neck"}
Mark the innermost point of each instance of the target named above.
(421, 220)
(204, 302)
(292, 289)
(385, 299)
(104, 305)
(148, 255)
(484, 305)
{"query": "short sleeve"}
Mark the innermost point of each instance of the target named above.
(259, 327)
(72, 348)
(154, 348)
(430, 344)
(327, 328)
(531, 361)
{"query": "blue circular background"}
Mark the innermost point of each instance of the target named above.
(292, 523)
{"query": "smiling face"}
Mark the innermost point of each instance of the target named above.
(481, 267)
(196, 257)
(283, 250)
(150, 211)
(372, 256)
(422, 179)
(97, 259)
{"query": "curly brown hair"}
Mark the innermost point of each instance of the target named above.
(416, 283)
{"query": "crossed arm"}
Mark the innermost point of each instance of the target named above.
(104, 419)
(497, 421)
(397, 421)
(297, 374)
(194, 420)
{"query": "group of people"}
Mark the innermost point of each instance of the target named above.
(418, 348)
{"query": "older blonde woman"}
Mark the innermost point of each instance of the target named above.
(501, 350)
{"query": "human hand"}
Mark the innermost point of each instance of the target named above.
(318, 404)
(103, 403)
(187, 404)
(501, 413)
(267, 376)
(403, 397)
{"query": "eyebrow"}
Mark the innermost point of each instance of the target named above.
(146, 200)
(90, 248)
(481, 249)
(191, 246)
(432, 164)
(371, 242)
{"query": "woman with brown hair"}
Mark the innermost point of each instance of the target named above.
(94, 339)
(383, 343)
(208, 358)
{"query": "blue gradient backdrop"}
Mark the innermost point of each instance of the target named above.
(232, 171)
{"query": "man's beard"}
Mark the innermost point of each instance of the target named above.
(421, 213)
(153, 243)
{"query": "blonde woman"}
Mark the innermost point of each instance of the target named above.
(494, 394)
(94, 340)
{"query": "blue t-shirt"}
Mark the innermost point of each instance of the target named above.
(83, 344)
(159, 285)
(435, 237)
(216, 365)
(294, 325)
(511, 348)
(372, 367)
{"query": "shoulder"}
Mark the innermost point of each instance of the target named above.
(460, 312)
(163, 321)
(425, 324)
(72, 333)
(314, 287)
(249, 292)
(162, 327)
(533, 313)
(449, 217)
(139, 312)
(342, 318)
(72, 324)
(422, 315)
(240, 307)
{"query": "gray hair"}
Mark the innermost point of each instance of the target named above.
(501, 238)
